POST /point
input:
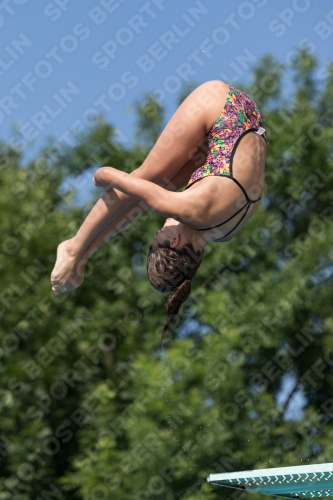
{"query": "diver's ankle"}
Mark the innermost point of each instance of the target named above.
(73, 249)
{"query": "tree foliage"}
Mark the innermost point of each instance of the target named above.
(90, 409)
(150, 114)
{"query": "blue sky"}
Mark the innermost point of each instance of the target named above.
(63, 62)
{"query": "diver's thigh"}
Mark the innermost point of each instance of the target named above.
(181, 178)
(184, 133)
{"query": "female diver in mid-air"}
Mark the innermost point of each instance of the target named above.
(217, 137)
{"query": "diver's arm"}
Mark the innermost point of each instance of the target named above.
(162, 201)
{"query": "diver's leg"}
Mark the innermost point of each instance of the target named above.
(184, 132)
(181, 137)
(179, 140)
(76, 273)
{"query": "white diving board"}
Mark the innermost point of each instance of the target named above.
(304, 481)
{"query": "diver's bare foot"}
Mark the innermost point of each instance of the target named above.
(76, 278)
(64, 275)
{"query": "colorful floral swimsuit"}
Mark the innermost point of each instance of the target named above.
(239, 117)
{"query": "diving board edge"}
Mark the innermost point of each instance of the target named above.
(302, 481)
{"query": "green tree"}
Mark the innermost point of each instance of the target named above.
(150, 115)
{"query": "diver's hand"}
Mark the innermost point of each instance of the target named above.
(103, 177)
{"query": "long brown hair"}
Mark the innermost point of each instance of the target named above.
(171, 270)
